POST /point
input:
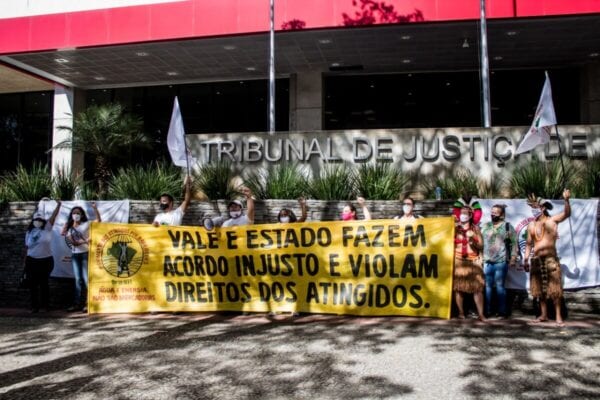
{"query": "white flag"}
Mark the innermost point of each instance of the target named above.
(176, 139)
(543, 121)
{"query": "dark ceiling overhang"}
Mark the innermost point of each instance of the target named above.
(550, 42)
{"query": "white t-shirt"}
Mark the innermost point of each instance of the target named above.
(170, 218)
(38, 241)
(241, 220)
(81, 232)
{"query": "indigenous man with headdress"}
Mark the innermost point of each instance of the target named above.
(468, 266)
(544, 267)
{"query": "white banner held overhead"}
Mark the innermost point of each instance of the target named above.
(584, 273)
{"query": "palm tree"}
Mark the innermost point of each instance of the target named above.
(104, 131)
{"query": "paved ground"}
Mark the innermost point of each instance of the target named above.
(205, 356)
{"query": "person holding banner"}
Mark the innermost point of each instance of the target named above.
(39, 261)
(499, 250)
(408, 206)
(77, 232)
(349, 210)
(168, 215)
(286, 215)
(544, 266)
(235, 208)
(468, 265)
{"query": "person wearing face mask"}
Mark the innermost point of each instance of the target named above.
(544, 267)
(499, 250)
(468, 245)
(235, 208)
(168, 215)
(408, 206)
(77, 236)
(38, 261)
(349, 210)
(287, 216)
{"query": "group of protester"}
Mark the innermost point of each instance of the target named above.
(482, 254)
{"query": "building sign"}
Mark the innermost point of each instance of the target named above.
(486, 152)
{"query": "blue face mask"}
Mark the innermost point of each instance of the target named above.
(536, 212)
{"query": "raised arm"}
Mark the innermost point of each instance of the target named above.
(249, 205)
(98, 218)
(566, 212)
(187, 183)
(304, 215)
(363, 204)
(54, 213)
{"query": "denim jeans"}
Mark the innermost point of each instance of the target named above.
(80, 271)
(495, 273)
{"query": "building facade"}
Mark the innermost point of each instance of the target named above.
(341, 66)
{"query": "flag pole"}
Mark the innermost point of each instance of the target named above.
(564, 184)
(272, 66)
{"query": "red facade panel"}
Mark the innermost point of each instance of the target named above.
(199, 18)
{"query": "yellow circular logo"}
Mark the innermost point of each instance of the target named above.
(122, 252)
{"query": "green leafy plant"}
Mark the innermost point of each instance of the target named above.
(285, 181)
(105, 132)
(64, 185)
(145, 183)
(589, 184)
(336, 182)
(380, 181)
(215, 180)
(462, 183)
(28, 185)
(545, 179)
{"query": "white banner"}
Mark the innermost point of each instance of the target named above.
(580, 268)
(110, 211)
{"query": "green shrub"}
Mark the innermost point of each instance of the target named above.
(3, 195)
(589, 185)
(146, 183)
(64, 185)
(28, 185)
(285, 181)
(215, 180)
(545, 179)
(380, 181)
(461, 184)
(336, 182)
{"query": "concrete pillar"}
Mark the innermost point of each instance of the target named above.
(590, 94)
(65, 107)
(306, 101)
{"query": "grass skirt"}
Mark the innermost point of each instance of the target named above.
(468, 275)
(545, 278)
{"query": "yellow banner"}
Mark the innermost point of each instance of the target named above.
(380, 267)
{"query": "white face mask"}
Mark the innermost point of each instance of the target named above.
(235, 214)
(464, 218)
(406, 209)
(38, 224)
(76, 217)
(284, 220)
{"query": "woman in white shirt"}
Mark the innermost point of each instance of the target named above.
(77, 233)
(39, 262)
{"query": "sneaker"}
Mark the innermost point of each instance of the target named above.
(73, 308)
(84, 309)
